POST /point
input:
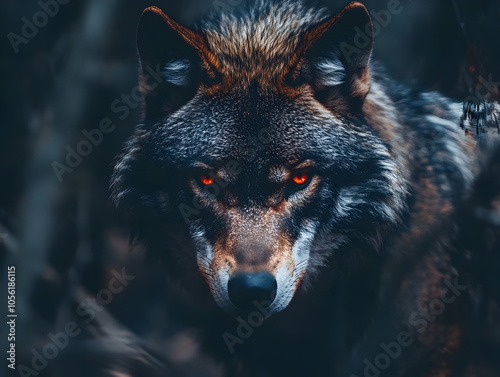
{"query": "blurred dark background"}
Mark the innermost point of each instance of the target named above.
(64, 237)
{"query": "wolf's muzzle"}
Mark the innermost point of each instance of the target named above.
(248, 289)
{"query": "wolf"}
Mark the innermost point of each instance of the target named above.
(282, 177)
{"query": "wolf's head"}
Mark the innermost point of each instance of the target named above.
(258, 146)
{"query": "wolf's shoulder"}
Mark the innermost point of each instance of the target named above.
(440, 150)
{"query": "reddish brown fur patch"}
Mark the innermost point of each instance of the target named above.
(253, 243)
(444, 333)
(374, 113)
(429, 203)
(262, 53)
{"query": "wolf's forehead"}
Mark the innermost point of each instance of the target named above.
(258, 45)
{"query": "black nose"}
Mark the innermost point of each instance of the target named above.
(246, 290)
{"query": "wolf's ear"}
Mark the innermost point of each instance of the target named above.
(172, 60)
(337, 56)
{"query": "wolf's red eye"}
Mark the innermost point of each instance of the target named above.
(207, 180)
(300, 179)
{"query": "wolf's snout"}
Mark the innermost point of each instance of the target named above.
(248, 289)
